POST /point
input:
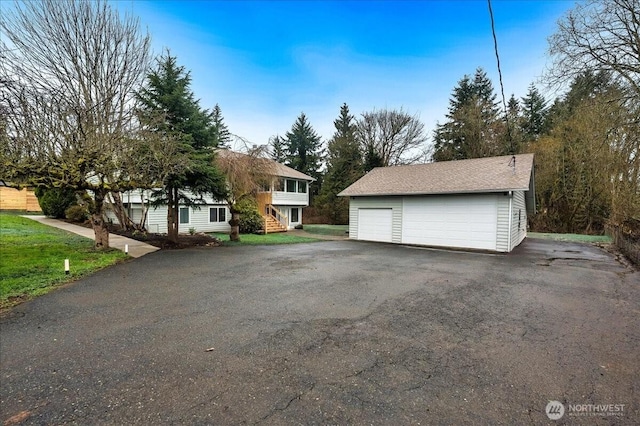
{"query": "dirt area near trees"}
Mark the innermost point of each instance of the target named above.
(161, 240)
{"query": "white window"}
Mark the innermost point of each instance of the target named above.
(184, 215)
(291, 185)
(294, 215)
(217, 214)
(302, 187)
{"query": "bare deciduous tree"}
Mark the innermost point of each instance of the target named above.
(395, 136)
(598, 35)
(158, 156)
(588, 168)
(603, 38)
(69, 69)
(245, 174)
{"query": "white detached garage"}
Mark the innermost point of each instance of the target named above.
(475, 204)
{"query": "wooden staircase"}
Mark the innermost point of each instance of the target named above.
(271, 225)
(274, 220)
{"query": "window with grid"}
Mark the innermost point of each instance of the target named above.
(217, 214)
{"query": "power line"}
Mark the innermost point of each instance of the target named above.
(504, 101)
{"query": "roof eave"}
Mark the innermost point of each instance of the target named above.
(308, 178)
(389, 194)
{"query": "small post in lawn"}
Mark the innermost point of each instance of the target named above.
(66, 266)
(126, 249)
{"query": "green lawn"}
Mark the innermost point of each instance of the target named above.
(339, 230)
(268, 239)
(32, 258)
(576, 238)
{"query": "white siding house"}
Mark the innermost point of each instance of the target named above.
(290, 195)
(479, 204)
(280, 204)
(210, 217)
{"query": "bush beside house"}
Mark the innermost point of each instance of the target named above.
(76, 213)
(250, 219)
(55, 201)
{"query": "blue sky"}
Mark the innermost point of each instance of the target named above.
(265, 62)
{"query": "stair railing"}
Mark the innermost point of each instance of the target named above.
(276, 214)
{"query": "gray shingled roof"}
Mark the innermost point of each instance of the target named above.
(493, 174)
(286, 171)
(278, 169)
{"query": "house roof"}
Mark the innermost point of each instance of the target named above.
(492, 174)
(278, 169)
(286, 171)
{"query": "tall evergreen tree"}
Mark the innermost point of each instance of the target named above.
(371, 159)
(463, 93)
(344, 166)
(222, 137)
(278, 149)
(534, 114)
(303, 147)
(583, 87)
(513, 137)
(169, 109)
(474, 127)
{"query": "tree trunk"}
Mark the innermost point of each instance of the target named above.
(142, 225)
(234, 235)
(121, 213)
(172, 215)
(97, 220)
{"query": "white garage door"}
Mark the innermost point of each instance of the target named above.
(456, 221)
(374, 224)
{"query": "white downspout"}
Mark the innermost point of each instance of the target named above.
(510, 219)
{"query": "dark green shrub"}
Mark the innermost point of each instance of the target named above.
(76, 213)
(250, 219)
(54, 201)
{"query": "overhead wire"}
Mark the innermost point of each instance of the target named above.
(504, 101)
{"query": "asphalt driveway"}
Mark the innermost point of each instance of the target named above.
(336, 332)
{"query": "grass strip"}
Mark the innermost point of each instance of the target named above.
(32, 258)
(266, 239)
(338, 230)
(574, 238)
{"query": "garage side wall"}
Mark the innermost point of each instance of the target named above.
(502, 235)
(518, 219)
(394, 203)
(518, 229)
